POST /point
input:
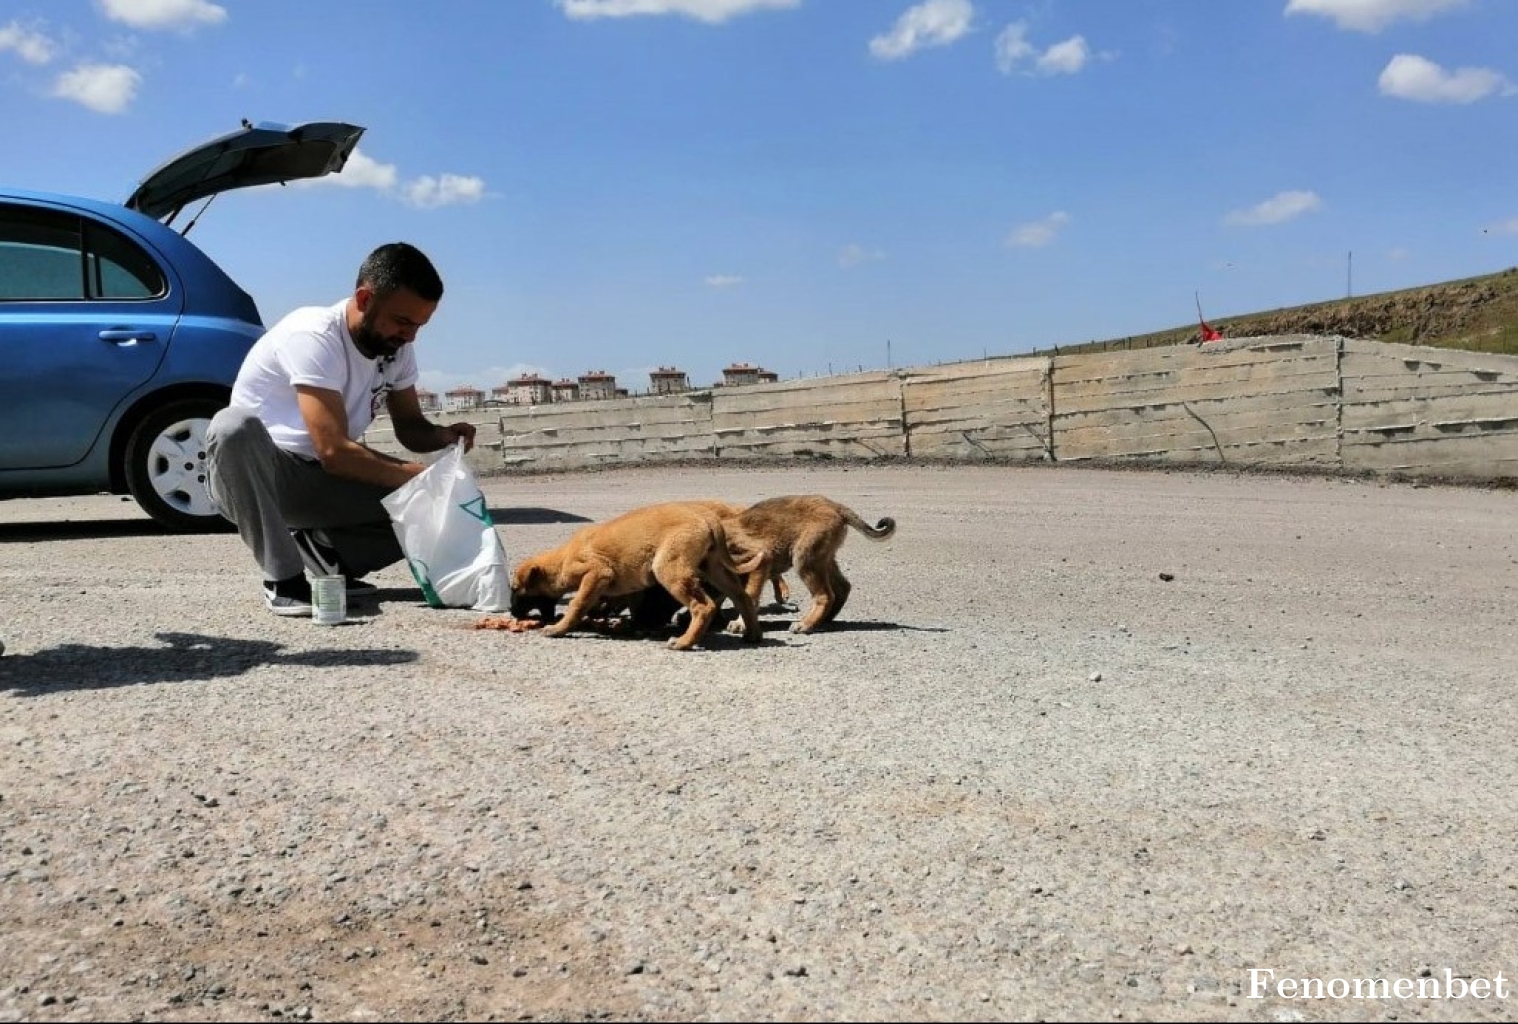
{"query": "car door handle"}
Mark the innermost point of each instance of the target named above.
(127, 337)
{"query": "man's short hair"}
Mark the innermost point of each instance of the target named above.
(398, 265)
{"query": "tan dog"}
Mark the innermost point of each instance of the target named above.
(651, 609)
(675, 544)
(727, 510)
(805, 531)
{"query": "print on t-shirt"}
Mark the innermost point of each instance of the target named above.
(378, 393)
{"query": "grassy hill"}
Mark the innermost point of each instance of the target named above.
(1478, 313)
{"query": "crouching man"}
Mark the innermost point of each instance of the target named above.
(284, 460)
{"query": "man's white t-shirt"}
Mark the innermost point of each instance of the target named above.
(312, 347)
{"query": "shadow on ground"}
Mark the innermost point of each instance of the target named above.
(186, 657)
(80, 529)
(516, 516)
(86, 529)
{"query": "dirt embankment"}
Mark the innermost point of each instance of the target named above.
(1411, 317)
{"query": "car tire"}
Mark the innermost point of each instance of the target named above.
(166, 466)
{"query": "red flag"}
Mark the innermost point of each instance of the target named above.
(1209, 334)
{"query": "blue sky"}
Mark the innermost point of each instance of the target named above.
(811, 186)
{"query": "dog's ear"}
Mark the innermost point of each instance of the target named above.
(528, 577)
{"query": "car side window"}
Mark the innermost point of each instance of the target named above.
(46, 255)
(118, 268)
(41, 255)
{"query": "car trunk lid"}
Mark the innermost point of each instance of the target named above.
(261, 154)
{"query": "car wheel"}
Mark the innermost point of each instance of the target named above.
(166, 466)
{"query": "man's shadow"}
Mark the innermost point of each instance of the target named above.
(187, 656)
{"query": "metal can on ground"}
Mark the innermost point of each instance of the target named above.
(329, 600)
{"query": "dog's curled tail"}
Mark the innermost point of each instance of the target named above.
(729, 555)
(880, 531)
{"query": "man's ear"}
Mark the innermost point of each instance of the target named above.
(362, 297)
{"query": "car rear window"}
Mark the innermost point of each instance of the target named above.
(46, 255)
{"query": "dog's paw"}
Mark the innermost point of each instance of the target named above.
(557, 629)
(800, 627)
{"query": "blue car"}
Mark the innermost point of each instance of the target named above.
(120, 338)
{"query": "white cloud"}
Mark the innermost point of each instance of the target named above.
(1279, 208)
(32, 47)
(163, 14)
(1012, 47)
(1065, 58)
(931, 23)
(1039, 233)
(360, 171)
(723, 280)
(105, 88)
(713, 12)
(428, 192)
(1372, 15)
(1506, 227)
(1409, 77)
(853, 254)
(1398, 252)
(1013, 51)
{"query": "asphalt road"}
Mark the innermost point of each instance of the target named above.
(1084, 744)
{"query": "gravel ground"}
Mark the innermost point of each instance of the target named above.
(1086, 744)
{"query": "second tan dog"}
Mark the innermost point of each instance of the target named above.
(675, 544)
(727, 510)
(805, 531)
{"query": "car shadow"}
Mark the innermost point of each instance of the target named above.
(81, 529)
(186, 657)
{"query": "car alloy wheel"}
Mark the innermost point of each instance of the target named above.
(166, 466)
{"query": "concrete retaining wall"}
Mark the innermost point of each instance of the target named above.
(1269, 401)
(1423, 411)
(998, 408)
(854, 416)
(1291, 401)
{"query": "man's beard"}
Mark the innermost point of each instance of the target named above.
(374, 344)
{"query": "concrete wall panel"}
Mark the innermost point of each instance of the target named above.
(994, 408)
(1430, 412)
(1247, 401)
(611, 431)
(857, 416)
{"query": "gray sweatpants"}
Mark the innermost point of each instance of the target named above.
(267, 491)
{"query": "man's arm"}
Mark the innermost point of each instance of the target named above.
(416, 432)
(327, 423)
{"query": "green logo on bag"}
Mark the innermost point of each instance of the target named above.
(476, 508)
(419, 573)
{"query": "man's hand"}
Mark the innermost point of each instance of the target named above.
(455, 431)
